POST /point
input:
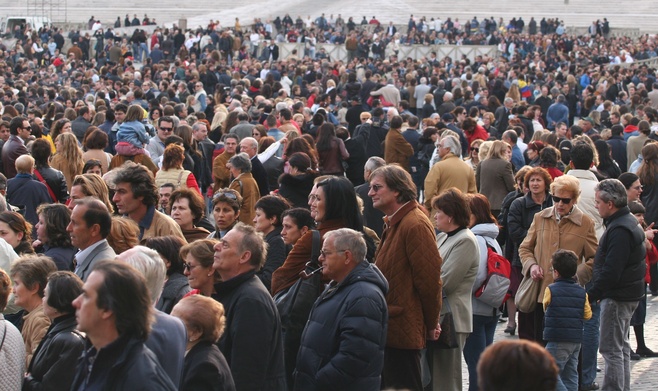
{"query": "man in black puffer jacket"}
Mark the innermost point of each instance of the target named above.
(618, 280)
(343, 343)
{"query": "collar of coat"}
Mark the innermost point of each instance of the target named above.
(576, 216)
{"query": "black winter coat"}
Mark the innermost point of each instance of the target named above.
(343, 343)
(125, 364)
(296, 188)
(619, 263)
(206, 369)
(53, 364)
(519, 219)
(252, 342)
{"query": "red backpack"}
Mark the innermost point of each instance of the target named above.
(494, 289)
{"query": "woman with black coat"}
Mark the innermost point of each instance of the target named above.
(205, 366)
(54, 362)
(297, 181)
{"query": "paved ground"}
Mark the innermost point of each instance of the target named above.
(644, 376)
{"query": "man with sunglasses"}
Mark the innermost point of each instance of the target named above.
(19, 134)
(156, 145)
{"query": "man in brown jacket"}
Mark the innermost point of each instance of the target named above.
(220, 172)
(396, 148)
(409, 259)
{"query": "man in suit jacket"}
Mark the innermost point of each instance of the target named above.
(80, 125)
(90, 224)
(373, 218)
(23, 190)
(19, 130)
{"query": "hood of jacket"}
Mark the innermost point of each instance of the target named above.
(488, 229)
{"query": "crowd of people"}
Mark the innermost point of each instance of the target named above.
(164, 202)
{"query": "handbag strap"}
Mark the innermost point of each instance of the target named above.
(50, 191)
(315, 248)
(180, 177)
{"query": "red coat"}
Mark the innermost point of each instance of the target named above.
(479, 133)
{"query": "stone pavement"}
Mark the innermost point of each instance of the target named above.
(644, 373)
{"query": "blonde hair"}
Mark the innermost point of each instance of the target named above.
(71, 152)
(498, 149)
(568, 183)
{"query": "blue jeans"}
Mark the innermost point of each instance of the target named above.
(615, 346)
(590, 347)
(566, 359)
(482, 336)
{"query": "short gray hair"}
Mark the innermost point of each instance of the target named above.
(241, 162)
(148, 262)
(349, 239)
(253, 242)
(612, 190)
(374, 163)
(453, 143)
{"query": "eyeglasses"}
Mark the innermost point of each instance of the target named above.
(28, 128)
(475, 149)
(166, 129)
(227, 194)
(638, 187)
(557, 199)
(376, 188)
(312, 197)
(327, 253)
(188, 266)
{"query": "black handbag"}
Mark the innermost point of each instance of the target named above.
(295, 304)
(448, 337)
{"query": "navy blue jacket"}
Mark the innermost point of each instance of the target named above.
(563, 321)
(342, 346)
(619, 263)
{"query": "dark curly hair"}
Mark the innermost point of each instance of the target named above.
(142, 183)
(57, 218)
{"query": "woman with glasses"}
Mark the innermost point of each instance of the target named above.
(176, 285)
(473, 155)
(198, 258)
(226, 205)
(561, 226)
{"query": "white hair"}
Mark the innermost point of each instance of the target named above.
(148, 262)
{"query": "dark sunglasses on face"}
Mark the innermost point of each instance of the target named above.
(563, 200)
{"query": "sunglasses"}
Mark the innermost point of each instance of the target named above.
(475, 149)
(166, 129)
(227, 194)
(557, 199)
